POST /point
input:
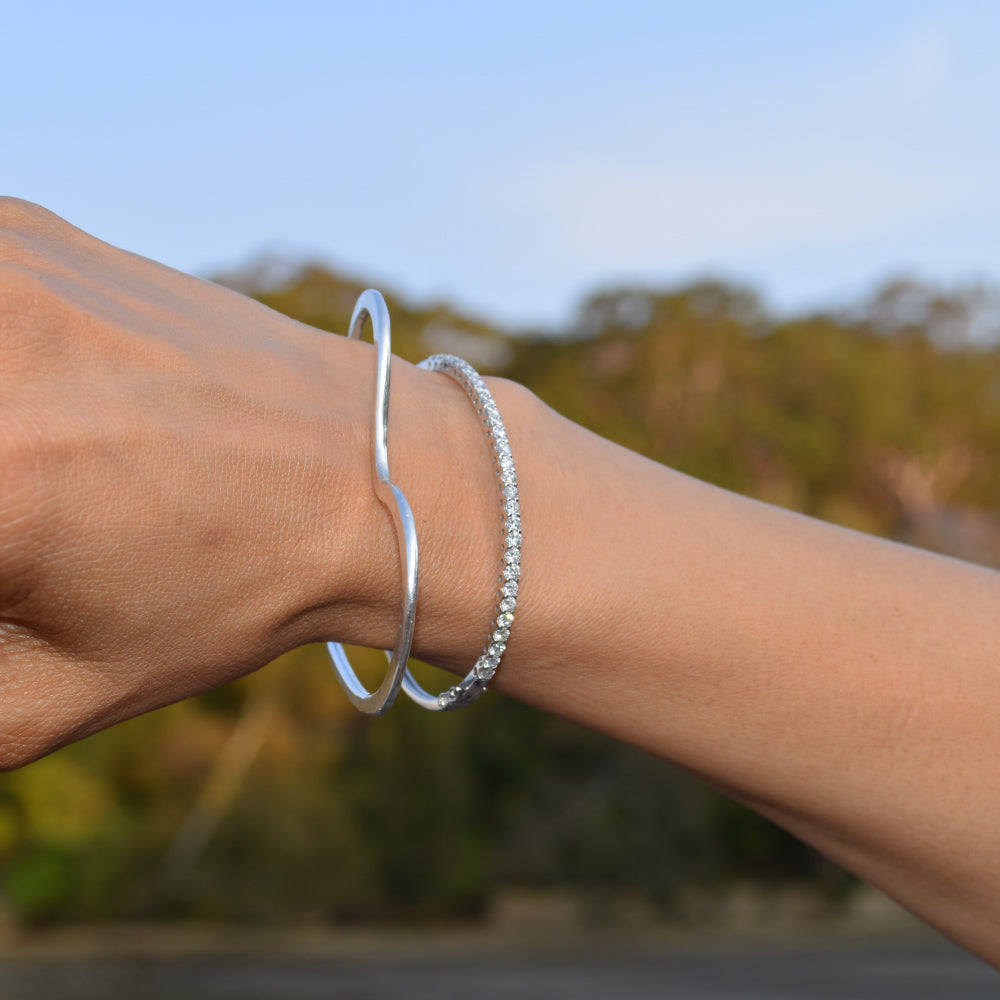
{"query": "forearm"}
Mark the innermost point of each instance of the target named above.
(185, 492)
(843, 685)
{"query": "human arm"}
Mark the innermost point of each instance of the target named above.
(185, 493)
(844, 686)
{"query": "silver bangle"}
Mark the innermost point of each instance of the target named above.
(371, 305)
(475, 682)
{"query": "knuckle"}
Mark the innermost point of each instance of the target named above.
(22, 739)
(19, 526)
(16, 752)
(28, 446)
(25, 742)
(19, 285)
(20, 216)
(30, 234)
(32, 320)
(50, 698)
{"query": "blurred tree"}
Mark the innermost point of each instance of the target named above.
(272, 799)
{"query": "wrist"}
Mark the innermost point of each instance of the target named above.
(441, 458)
(499, 529)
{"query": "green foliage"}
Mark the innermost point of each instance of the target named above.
(884, 419)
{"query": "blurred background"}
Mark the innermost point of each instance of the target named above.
(756, 241)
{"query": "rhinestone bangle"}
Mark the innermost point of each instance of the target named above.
(475, 682)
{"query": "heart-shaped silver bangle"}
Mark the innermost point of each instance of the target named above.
(371, 305)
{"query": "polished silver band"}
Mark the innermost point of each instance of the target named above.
(371, 305)
(474, 684)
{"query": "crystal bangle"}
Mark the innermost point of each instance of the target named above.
(475, 682)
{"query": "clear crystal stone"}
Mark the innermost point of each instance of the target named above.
(487, 667)
(489, 414)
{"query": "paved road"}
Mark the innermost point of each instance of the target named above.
(925, 971)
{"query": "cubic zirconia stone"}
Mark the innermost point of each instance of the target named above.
(487, 667)
(488, 413)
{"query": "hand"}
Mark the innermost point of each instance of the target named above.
(177, 470)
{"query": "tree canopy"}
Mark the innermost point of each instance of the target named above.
(271, 799)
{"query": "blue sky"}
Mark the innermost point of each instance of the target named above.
(512, 156)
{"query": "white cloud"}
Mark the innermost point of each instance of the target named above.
(922, 63)
(624, 215)
(863, 148)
